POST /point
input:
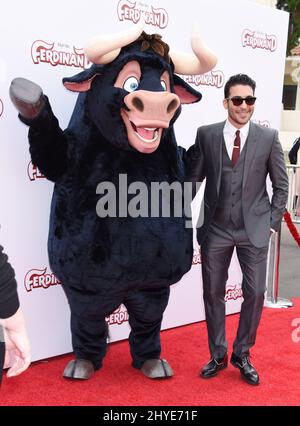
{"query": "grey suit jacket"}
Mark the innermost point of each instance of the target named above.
(264, 156)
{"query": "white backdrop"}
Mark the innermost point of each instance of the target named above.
(43, 42)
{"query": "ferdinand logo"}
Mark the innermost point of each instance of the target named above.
(119, 316)
(259, 40)
(62, 54)
(129, 11)
(37, 278)
(233, 292)
(212, 78)
(1, 107)
(33, 172)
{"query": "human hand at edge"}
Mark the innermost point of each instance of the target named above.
(17, 347)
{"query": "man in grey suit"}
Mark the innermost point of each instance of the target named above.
(235, 157)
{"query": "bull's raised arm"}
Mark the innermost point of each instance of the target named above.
(48, 145)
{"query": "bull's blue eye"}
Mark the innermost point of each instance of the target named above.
(163, 84)
(131, 84)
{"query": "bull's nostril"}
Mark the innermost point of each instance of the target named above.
(138, 104)
(173, 105)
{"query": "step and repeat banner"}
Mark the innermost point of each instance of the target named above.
(43, 42)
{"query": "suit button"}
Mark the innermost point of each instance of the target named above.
(233, 193)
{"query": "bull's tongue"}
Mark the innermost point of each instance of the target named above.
(145, 133)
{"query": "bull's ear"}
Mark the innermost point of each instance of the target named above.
(80, 82)
(185, 92)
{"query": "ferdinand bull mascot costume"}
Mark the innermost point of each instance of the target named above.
(121, 128)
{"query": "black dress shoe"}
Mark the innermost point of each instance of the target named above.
(212, 368)
(248, 372)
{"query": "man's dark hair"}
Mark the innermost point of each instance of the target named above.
(243, 79)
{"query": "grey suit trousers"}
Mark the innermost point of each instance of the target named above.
(216, 253)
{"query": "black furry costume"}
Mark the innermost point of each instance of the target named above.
(103, 262)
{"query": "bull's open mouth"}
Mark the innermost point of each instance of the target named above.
(146, 134)
(143, 134)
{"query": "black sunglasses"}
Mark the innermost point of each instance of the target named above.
(237, 100)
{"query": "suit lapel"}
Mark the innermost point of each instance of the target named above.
(252, 140)
(217, 143)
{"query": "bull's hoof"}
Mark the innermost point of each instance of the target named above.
(79, 369)
(157, 369)
(27, 97)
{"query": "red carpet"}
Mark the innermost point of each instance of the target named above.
(276, 357)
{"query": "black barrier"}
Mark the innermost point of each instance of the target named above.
(125, 415)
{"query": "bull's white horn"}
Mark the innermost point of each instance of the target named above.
(104, 48)
(188, 64)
